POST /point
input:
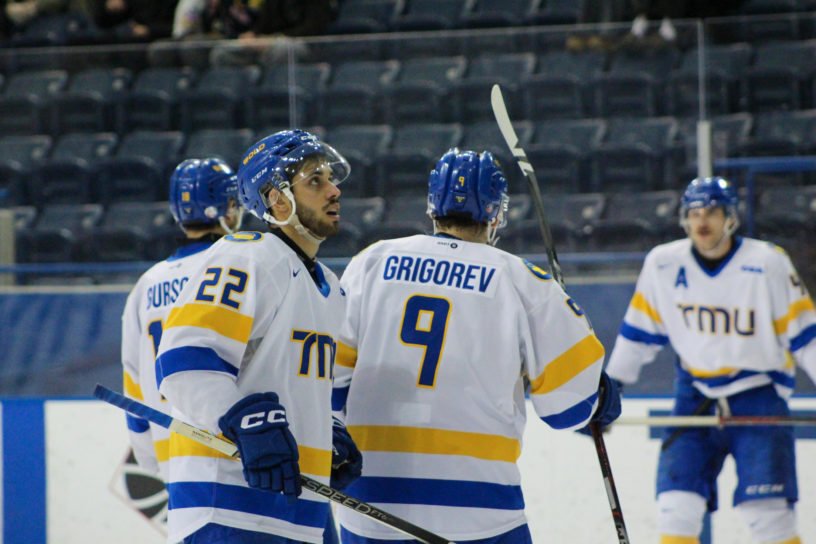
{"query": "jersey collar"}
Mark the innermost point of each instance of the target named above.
(737, 242)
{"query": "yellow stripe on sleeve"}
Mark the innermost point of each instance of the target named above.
(801, 305)
(568, 365)
(224, 321)
(435, 441)
(346, 355)
(312, 460)
(673, 539)
(131, 388)
(639, 302)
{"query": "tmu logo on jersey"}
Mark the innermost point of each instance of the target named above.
(718, 320)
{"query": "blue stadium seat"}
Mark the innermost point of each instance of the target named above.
(636, 221)
(784, 214)
(420, 88)
(405, 215)
(140, 169)
(18, 156)
(67, 175)
(364, 16)
(217, 99)
(272, 101)
(56, 233)
(430, 15)
(558, 86)
(361, 145)
(569, 216)
(498, 13)
(632, 157)
(88, 103)
(724, 65)
(633, 84)
(23, 105)
(132, 231)
(557, 12)
(152, 102)
(351, 95)
(229, 144)
(780, 76)
(470, 96)
(414, 152)
(364, 212)
(728, 135)
(559, 153)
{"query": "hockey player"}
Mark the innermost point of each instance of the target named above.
(204, 202)
(734, 310)
(440, 333)
(248, 351)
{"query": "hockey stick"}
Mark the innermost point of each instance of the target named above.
(510, 137)
(715, 421)
(228, 448)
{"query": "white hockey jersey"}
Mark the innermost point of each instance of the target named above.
(143, 321)
(438, 338)
(252, 320)
(732, 328)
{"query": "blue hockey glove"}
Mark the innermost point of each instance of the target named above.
(609, 403)
(347, 461)
(257, 424)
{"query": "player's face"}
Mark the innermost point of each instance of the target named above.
(706, 227)
(317, 198)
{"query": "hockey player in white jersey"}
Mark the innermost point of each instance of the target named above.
(248, 351)
(204, 202)
(738, 317)
(440, 333)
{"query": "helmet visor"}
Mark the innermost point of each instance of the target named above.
(307, 161)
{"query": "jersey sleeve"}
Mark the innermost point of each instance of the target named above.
(352, 283)
(563, 357)
(139, 432)
(207, 333)
(794, 315)
(642, 334)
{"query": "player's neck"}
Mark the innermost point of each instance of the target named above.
(719, 251)
(306, 245)
(466, 234)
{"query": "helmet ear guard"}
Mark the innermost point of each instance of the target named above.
(469, 185)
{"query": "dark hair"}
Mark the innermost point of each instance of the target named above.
(457, 222)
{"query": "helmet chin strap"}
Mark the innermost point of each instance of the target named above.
(222, 220)
(731, 225)
(292, 220)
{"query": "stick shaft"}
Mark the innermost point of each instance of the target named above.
(715, 421)
(228, 448)
(510, 137)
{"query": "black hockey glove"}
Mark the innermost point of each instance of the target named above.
(257, 424)
(609, 403)
(347, 461)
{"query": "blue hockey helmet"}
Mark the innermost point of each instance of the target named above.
(201, 190)
(272, 163)
(469, 185)
(708, 192)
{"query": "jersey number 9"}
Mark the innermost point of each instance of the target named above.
(424, 324)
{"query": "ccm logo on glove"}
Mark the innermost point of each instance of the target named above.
(272, 416)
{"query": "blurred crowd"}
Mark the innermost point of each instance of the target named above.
(32, 23)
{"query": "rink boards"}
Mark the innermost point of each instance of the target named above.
(62, 480)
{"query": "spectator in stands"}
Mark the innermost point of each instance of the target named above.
(135, 20)
(16, 14)
(441, 333)
(738, 316)
(664, 10)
